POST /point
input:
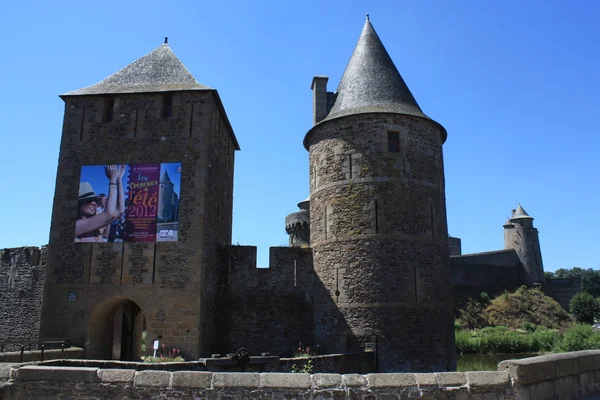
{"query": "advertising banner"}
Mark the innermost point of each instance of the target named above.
(128, 203)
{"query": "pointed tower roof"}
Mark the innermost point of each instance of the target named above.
(158, 71)
(520, 213)
(508, 223)
(165, 177)
(372, 83)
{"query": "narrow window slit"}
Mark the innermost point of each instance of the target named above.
(109, 109)
(167, 109)
(350, 164)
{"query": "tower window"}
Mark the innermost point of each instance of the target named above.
(109, 109)
(393, 142)
(167, 109)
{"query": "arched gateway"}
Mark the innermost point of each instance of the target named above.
(115, 330)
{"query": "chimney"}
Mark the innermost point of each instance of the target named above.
(320, 106)
(513, 213)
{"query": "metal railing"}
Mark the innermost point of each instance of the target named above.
(27, 342)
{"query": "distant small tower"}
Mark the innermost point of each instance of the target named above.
(165, 201)
(297, 225)
(520, 235)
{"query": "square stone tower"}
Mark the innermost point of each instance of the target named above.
(142, 206)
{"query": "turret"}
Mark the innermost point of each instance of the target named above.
(522, 236)
(378, 219)
(297, 225)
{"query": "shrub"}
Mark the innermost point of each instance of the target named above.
(465, 343)
(575, 338)
(584, 307)
(528, 326)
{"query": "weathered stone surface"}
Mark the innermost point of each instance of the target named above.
(529, 370)
(542, 390)
(192, 379)
(326, 380)
(116, 375)
(426, 380)
(278, 380)
(152, 378)
(567, 388)
(450, 379)
(22, 272)
(565, 364)
(235, 379)
(487, 379)
(35, 373)
(352, 380)
(391, 380)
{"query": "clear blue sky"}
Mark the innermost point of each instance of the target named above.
(515, 84)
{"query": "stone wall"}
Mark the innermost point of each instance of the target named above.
(172, 283)
(21, 290)
(562, 290)
(267, 310)
(380, 240)
(491, 272)
(566, 376)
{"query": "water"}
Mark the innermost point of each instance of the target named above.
(486, 362)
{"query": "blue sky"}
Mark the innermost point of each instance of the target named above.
(515, 84)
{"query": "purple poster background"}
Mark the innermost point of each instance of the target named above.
(143, 202)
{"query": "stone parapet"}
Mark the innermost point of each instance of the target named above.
(559, 376)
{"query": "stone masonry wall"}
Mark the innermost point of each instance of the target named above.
(566, 376)
(86, 283)
(265, 309)
(380, 240)
(491, 272)
(21, 291)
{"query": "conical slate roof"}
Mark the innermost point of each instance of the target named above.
(165, 177)
(158, 71)
(520, 213)
(371, 82)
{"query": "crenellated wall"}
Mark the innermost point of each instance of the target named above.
(22, 273)
(265, 309)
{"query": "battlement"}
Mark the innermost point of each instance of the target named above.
(22, 274)
(290, 269)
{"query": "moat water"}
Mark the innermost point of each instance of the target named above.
(486, 362)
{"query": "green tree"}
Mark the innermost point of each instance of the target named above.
(584, 307)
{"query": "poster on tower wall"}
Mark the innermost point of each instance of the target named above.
(128, 203)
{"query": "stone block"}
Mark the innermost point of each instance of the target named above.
(116, 375)
(35, 373)
(284, 380)
(235, 379)
(529, 370)
(352, 380)
(586, 361)
(586, 382)
(450, 379)
(192, 379)
(566, 364)
(391, 380)
(426, 380)
(326, 380)
(491, 379)
(541, 391)
(152, 378)
(566, 388)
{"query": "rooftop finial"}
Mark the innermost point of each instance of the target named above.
(166, 40)
(368, 17)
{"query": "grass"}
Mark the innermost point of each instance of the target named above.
(500, 339)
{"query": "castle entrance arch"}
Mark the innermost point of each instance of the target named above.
(115, 330)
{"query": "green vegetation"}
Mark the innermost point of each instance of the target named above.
(584, 307)
(165, 356)
(304, 368)
(523, 308)
(526, 322)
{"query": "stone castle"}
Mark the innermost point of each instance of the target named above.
(368, 265)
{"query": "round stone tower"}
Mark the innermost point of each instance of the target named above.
(297, 225)
(378, 218)
(522, 236)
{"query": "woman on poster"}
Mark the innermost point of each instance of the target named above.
(90, 225)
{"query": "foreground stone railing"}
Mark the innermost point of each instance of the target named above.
(36, 355)
(561, 376)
